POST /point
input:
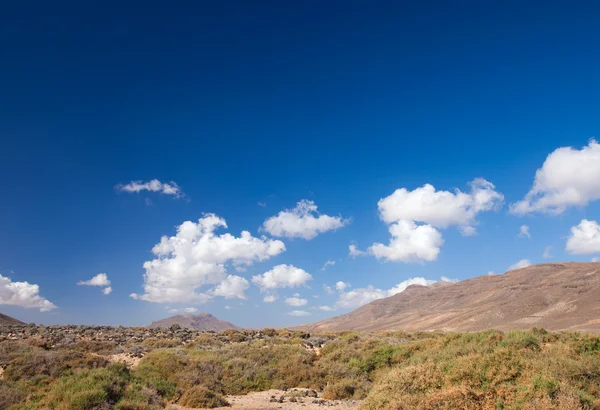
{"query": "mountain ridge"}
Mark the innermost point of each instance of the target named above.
(199, 321)
(557, 296)
(7, 320)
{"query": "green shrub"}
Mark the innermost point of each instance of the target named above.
(201, 397)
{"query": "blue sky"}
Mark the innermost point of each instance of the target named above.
(252, 108)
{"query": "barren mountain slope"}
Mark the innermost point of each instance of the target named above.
(201, 321)
(555, 296)
(7, 320)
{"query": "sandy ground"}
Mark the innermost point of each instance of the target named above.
(285, 400)
(130, 361)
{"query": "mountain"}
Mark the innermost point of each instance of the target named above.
(201, 321)
(557, 296)
(7, 320)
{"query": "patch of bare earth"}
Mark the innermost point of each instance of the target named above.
(130, 361)
(286, 400)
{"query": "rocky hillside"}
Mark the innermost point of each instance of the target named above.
(556, 296)
(201, 321)
(7, 320)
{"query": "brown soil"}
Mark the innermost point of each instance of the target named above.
(285, 400)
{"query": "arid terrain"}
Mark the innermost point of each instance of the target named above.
(84, 367)
(556, 296)
(7, 320)
(200, 321)
(404, 352)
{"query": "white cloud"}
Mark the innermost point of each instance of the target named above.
(449, 280)
(296, 301)
(170, 188)
(585, 238)
(327, 263)
(354, 251)
(302, 222)
(232, 287)
(547, 254)
(467, 230)
(341, 286)
(409, 243)
(441, 209)
(568, 177)
(523, 263)
(100, 279)
(281, 276)
(327, 289)
(184, 310)
(326, 308)
(196, 257)
(227, 307)
(262, 204)
(595, 259)
(23, 294)
(362, 296)
(299, 313)
(524, 231)
(433, 209)
(270, 298)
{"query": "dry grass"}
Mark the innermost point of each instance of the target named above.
(392, 370)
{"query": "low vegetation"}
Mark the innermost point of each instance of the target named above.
(394, 370)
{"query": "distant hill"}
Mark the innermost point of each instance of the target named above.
(557, 296)
(201, 321)
(7, 320)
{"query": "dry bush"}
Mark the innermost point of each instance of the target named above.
(201, 397)
(514, 370)
(140, 397)
(160, 343)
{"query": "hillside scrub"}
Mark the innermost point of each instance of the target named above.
(390, 370)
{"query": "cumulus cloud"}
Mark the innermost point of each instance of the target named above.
(23, 294)
(100, 279)
(341, 286)
(326, 308)
(295, 301)
(166, 188)
(568, 177)
(327, 263)
(197, 257)
(232, 287)
(358, 297)
(448, 280)
(584, 238)
(547, 252)
(327, 289)
(184, 310)
(523, 263)
(281, 276)
(524, 232)
(409, 243)
(302, 222)
(270, 298)
(299, 313)
(353, 251)
(403, 209)
(440, 209)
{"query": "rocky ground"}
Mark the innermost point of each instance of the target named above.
(291, 399)
(64, 335)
